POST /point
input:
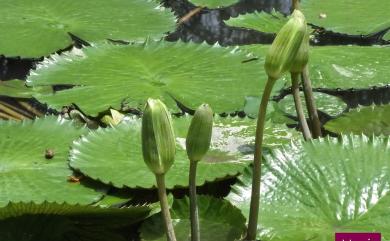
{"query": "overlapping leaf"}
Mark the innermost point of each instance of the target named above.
(213, 3)
(350, 16)
(14, 88)
(114, 155)
(51, 221)
(260, 21)
(218, 220)
(328, 104)
(312, 190)
(344, 66)
(108, 75)
(41, 27)
(372, 120)
(26, 175)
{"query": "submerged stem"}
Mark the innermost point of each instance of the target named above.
(310, 103)
(162, 195)
(256, 178)
(298, 106)
(195, 235)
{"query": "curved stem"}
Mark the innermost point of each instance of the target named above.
(310, 103)
(295, 4)
(195, 235)
(162, 195)
(256, 178)
(298, 106)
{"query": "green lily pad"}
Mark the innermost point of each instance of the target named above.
(15, 88)
(41, 27)
(331, 105)
(351, 16)
(213, 3)
(27, 175)
(260, 21)
(51, 221)
(218, 220)
(372, 120)
(344, 66)
(310, 190)
(191, 73)
(113, 155)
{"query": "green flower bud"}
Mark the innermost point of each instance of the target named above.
(199, 134)
(158, 138)
(302, 56)
(285, 47)
(114, 119)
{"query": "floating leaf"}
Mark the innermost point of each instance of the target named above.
(41, 27)
(328, 104)
(344, 67)
(15, 88)
(218, 220)
(213, 3)
(312, 190)
(372, 120)
(114, 155)
(260, 21)
(191, 73)
(51, 221)
(352, 16)
(33, 163)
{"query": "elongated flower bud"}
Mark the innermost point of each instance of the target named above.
(199, 134)
(285, 47)
(158, 139)
(302, 56)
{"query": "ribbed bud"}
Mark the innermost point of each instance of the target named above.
(199, 134)
(302, 57)
(285, 47)
(158, 138)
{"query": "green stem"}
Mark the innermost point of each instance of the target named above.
(255, 198)
(295, 4)
(162, 195)
(310, 103)
(298, 106)
(195, 235)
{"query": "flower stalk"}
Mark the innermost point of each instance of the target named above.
(158, 149)
(310, 103)
(279, 60)
(298, 106)
(197, 144)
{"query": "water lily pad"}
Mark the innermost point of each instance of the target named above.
(33, 163)
(260, 21)
(218, 220)
(328, 104)
(351, 16)
(41, 27)
(113, 155)
(372, 120)
(61, 222)
(191, 73)
(312, 190)
(344, 66)
(15, 88)
(213, 3)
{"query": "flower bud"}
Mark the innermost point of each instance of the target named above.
(158, 138)
(199, 134)
(285, 47)
(114, 119)
(302, 56)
